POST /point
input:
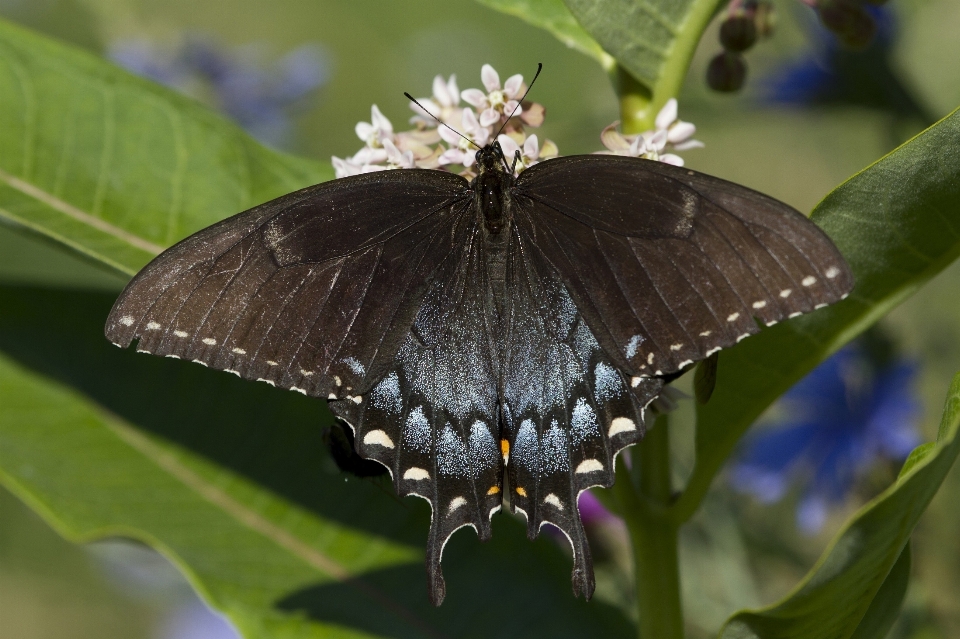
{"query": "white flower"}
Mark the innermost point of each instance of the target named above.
(397, 159)
(444, 104)
(670, 134)
(496, 102)
(530, 152)
(461, 150)
(679, 133)
(374, 132)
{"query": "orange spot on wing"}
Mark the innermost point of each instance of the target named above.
(504, 448)
(521, 491)
(493, 490)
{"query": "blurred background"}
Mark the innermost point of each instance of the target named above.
(299, 74)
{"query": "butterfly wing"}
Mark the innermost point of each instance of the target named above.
(433, 418)
(669, 265)
(567, 410)
(313, 291)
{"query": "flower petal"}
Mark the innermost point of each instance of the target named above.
(380, 121)
(533, 114)
(475, 98)
(512, 108)
(509, 146)
(453, 91)
(364, 130)
(680, 131)
(549, 150)
(613, 139)
(490, 78)
(670, 158)
(488, 117)
(689, 144)
(513, 85)
(451, 156)
(449, 136)
(667, 114)
(429, 110)
(531, 148)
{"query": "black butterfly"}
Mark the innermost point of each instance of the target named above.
(507, 324)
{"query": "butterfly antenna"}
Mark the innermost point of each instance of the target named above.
(520, 101)
(439, 121)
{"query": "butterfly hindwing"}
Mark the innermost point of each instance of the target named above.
(432, 419)
(669, 265)
(567, 409)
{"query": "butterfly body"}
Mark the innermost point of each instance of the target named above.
(489, 342)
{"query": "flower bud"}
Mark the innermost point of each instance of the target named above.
(726, 72)
(738, 33)
(764, 19)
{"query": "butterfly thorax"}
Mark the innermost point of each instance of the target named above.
(492, 189)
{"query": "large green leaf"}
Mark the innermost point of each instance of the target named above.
(553, 16)
(653, 40)
(231, 480)
(867, 558)
(114, 166)
(898, 224)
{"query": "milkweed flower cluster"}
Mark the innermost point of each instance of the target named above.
(260, 96)
(669, 134)
(845, 416)
(470, 119)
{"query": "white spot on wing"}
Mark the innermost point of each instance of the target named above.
(230, 370)
(152, 326)
(743, 337)
(607, 383)
(705, 334)
(416, 474)
(209, 341)
(772, 322)
(635, 381)
(331, 396)
(270, 362)
(732, 317)
(306, 373)
(632, 345)
(714, 350)
(553, 500)
(819, 306)
(199, 361)
(355, 365)
(386, 394)
(760, 304)
(260, 379)
(785, 293)
(809, 280)
(239, 351)
(416, 431)
(126, 320)
(792, 315)
(685, 362)
(180, 333)
(379, 438)
(621, 425)
(589, 466)
(650, 359)
(298, 390)
(676, 347)
(457, 502)
(583, 421)
(832, 272)
(357, 399)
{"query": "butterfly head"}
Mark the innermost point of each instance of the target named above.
(490, 158)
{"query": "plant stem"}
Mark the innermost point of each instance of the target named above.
(636, 114)
(645, 498)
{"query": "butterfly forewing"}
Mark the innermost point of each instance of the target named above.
(670, 265)
(312, 291)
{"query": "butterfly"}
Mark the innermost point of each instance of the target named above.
(488, 341)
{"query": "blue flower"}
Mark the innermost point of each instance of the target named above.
(833, 74)
(259, 97)
(839, 420)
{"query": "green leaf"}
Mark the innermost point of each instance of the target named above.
(653, 40)
(553, 16)
(116, 167)
(231, 480)
(897, 222)
(856, 587)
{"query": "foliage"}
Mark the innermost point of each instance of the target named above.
(231, 481)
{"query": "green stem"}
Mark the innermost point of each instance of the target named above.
(645, 499)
